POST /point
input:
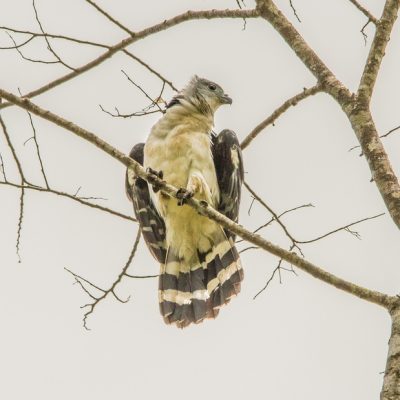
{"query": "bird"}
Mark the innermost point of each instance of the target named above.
(200, 268)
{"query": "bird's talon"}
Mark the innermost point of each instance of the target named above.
(183, 195)
(158, 174)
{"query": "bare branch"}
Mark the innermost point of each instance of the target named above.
(343, 228)
(109, 17)
(71, 197)
(391, 131)
(13, 152)
(365, 12)
(365, 36)
(47, 40)
(166, 24)
(276, 217)
(117, 114)
(276, 269)
(16, 47)
(3, 171)
(91, 306)
(154, 102)
(34, 137)
(20, 219)
(147, 66)
(34, 35)
(377, 50)
(203, 208)
(294, 11)
(381, 136)
(278, 112)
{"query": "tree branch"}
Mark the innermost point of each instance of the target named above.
(203, 208)
(69, 196)
(111, 290)
(377, 50)
(109, 17)
(136, 36)
(365, 11)
(278, 112)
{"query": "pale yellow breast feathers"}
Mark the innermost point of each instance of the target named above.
(179, 146)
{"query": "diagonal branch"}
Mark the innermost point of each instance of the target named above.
(187, 16)
(364, 11)
(278, 112)
(109, 17)
(205, 210)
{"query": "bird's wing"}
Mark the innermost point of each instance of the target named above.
(230, 174)
(151, 223)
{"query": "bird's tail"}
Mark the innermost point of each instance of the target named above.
(195, 289)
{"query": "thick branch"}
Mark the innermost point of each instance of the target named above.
(304, 52)
(203, 208)
(136, 36)
(354, 106)
(391, 381)
(374, 152)
(377, 51)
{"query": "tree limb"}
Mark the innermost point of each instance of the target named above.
(278, 112)
(136, 36)
(203, 208)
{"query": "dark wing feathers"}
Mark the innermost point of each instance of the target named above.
(152, 225)
(230, 174)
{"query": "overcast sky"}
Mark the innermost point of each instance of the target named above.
(300, 338)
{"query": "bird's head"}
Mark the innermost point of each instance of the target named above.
(205, 95)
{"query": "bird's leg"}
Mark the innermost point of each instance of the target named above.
(196, 186)
(183, 195)
(156, 174)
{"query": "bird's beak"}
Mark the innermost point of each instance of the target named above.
(226, 99)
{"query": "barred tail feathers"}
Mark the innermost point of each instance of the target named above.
(190, 291)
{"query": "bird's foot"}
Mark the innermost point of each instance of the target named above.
(155, 174)
(183, 195)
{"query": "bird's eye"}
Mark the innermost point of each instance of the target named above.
(212, 87)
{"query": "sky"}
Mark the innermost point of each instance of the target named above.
(298, 339)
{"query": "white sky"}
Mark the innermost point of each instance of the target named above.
(300, 339)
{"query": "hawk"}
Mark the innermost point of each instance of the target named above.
(200, 266)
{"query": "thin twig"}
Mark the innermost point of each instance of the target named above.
(34, 137)
(47, 40)
(381, 136)
(165, 24)
(20, 219)
(111, 290)
(109, 17)
(13, 152)
(16, 47)
(71, 197)
(345, 228)
(2, 167)
(294, 10)
(34, 35)
(153, 102)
